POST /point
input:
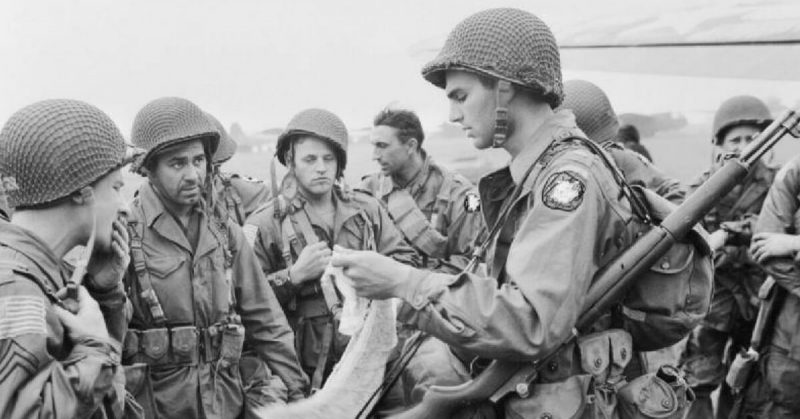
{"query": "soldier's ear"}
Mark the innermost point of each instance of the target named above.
(84, 196)
(412, 143)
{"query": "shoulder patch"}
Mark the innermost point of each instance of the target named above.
(22, 315)
(250, 233)
(472, 202)
(563, 191)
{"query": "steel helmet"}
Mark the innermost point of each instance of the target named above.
(739, 110)
(593, 112)
(317, 123)
(53, 148)
(171, 120)
(507, 44)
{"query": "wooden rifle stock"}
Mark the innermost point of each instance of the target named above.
(610, 283)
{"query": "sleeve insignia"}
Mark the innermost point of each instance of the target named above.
(472, 202)
(250, 232)
(563, 191)
(21, 315)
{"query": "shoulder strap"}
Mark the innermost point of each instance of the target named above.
(754, 191)
(24, 271)
(138, 260)
(442, 199)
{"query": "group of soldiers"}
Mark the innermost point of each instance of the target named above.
(202, 297)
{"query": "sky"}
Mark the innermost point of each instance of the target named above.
(259, 62)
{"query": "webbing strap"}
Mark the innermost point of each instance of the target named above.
(319, 372)
(410, 220)
(138, 259)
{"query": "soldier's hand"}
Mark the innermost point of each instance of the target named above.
(373, 275)
(107, 269)
(768, 245)
(311, 263)
(88, 322)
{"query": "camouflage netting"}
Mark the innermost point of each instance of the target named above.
(509, 44)
(593, 112)
(739, 110)
(168, 121)
(227, 147)
(53, 148)
(319, 123)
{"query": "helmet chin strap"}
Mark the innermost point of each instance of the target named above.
(82, 264)
(502, 95)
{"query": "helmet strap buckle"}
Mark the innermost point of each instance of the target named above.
(502, 96)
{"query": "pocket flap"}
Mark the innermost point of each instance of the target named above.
(595, 354)
(184, 339)
(162, 267)
(621, 348)
(154, 342)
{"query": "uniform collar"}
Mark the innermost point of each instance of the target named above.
(156, 216)
(346, 207)
(561, 124)
(388, 184)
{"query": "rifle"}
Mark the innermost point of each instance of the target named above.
(743, 366)
(502, 378)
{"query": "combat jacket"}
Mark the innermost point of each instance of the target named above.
(192, 353)
(281, 229)
(43, 373)
(569, 221)
(640, 171)
(239, 196)
(781, 214)
(358, 218)
(737, 277)
(437, 211)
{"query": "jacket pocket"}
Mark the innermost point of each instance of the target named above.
(163, 267)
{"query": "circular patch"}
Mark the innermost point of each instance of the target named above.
(472, 202)
(563, 191)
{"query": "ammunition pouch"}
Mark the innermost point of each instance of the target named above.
(594, 373)
(184, 345)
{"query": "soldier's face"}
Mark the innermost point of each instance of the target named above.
(737, 138)
(110, 205)
(314, 166)
(390, 153)
(179, 173)
(472, 105)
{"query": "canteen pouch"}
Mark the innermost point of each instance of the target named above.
(565, 399)
(660, 395)
(154, 344)
(231, 344)
(184, 344)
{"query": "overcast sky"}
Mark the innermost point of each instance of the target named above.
(259, 62)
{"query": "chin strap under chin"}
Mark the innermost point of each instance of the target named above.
(503, 95)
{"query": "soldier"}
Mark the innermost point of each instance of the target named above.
(201, 305)
(557, 209)
(737, 276)
(776, 246)
(596, 118)
(437, 211)
(294, 232)
(629, 137)
(60, 163)
(239, 196)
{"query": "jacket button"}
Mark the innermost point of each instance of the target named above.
(546, 415)
(598, 362)
(623, 353)
(552, 366)
(665, 265)
(666, 403)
